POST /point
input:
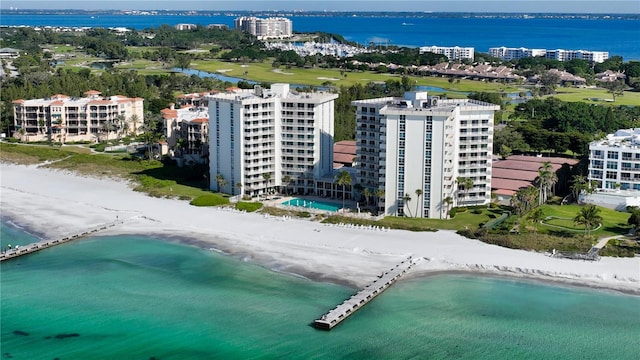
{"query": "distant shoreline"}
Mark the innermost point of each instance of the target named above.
(373, 14)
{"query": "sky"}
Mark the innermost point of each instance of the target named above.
(544, 6)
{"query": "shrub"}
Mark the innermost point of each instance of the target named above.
(453, 212)
(248, 206)
(153, 183)
(209, 200)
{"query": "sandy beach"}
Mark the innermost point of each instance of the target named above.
(54, 204)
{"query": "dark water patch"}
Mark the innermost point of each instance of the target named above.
(20, 333)
(63, 336)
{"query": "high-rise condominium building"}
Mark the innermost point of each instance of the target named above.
(261, 139)
(265, 28)
(420, 150)
(62, 118)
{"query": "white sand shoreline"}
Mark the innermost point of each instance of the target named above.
(59, 204)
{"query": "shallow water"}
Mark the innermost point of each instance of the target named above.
(140, 298)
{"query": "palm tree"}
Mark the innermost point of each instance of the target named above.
(536, 216)
(464, 184)
(221, 181)
(134, 119)
(524, 199)
(579, 184)
(343, 178)
(267, 180)
(287, 181)
(120, 121)
(239, 186)
(546, 180)
(108, 126)
(449, 201)
(379, 195)
(367, 194)
(418, 195)
(589, 217)
(406, 199)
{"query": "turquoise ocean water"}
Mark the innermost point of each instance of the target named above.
(131, 297)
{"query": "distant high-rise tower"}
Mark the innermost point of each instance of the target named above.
(265, 28)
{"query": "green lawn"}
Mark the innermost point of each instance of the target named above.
(590, 96)
(468, 220)
(264, 72)
(613, 222)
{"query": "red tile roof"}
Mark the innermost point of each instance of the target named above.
(508, 184)
(521, 165)
(540, 160)
(514, 174)
(92, 92)
(343, 158)
(200, 120)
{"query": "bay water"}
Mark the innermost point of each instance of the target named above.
(138, 297)
(616, 34)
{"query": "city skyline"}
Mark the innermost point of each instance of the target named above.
(512, 6)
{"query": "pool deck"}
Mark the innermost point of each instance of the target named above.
(349, 205)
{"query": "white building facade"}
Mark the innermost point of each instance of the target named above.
(614, 162)
(265, 28)
(451, 52)
(427, 144)
(507, 54)
(62, 118)
(260, 138)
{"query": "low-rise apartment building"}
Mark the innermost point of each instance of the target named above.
(186, 132)
(507, 54)
(451, 52)
(62, 118)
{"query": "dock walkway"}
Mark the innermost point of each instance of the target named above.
(44, 244)
(360, 299)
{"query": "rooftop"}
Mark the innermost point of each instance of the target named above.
(623, 138)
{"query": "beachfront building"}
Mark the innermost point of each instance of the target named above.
(265, 28)
(264, 139)
(453, 53)
(62, 118)
(417, 152)
(614, 162)
(186, 133)
(614, 170)
(507, 54)
(568, 55)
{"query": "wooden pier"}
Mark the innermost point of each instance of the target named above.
(360, 299)
(44, 244)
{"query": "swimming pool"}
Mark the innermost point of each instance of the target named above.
(319, 205)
